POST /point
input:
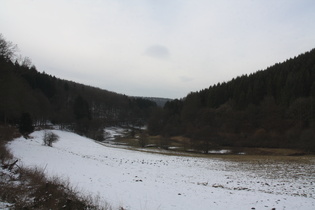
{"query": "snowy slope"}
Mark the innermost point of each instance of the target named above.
(139, 180)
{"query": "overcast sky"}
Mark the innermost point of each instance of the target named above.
(158, 48)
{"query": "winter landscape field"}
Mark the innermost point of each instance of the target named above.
(141, 180)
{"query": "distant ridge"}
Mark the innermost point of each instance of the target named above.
(159, 101)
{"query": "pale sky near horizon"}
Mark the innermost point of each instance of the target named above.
(157, 48)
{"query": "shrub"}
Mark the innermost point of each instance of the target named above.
(50, 138)
(6, 134)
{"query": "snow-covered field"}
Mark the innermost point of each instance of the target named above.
(141, 180)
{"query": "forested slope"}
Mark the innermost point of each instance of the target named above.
(27, 93)
(270, 108)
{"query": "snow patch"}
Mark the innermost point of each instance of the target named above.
(5, 206)
(114, 132)
(222, 151)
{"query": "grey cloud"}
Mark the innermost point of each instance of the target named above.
(157, 51)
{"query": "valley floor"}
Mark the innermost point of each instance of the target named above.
(140, 180)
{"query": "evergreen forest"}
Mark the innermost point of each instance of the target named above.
(29, 97)
(272, 108)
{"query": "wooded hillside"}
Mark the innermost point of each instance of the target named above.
(270, 108)
(24, 91)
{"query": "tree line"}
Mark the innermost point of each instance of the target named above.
(274, 107)
(29, 95)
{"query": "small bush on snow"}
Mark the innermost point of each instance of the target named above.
(50, 138)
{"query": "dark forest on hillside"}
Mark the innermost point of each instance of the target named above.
(26, 93)
(270, 108)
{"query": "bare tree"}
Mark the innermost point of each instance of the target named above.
(50, 138)
(7, 49)
(27, 63)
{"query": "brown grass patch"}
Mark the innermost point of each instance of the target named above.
(30, 189)
(181, 139)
